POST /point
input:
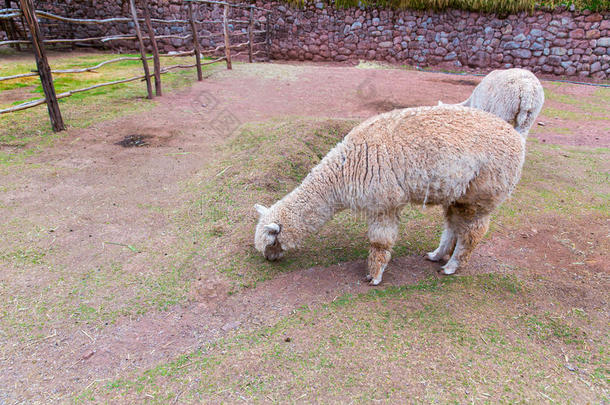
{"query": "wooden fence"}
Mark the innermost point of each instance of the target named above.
(29, 18)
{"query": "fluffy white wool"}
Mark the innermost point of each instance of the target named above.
(462, 158)
(515, 95)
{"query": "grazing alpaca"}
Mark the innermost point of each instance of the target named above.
(462, 158)
(515, 95)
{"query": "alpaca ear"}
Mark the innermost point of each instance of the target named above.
(272, 228)
(262, 210)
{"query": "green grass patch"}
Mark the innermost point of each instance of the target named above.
(23, 256)
(96, 297)
(264, 161)
(398, 344)
(579, 188)
(30, 130)
(547, 327)
(572, 115)
(591, 106)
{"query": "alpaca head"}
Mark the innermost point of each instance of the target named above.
(267, 237)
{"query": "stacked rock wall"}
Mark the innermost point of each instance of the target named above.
(561, 42)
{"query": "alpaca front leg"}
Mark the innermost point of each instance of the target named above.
(378, 260)
(383, 231)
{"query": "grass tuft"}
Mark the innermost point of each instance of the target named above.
(394, 344)
(488, 6)
(261, 164)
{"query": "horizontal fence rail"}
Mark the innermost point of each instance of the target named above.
(102, 39)
(36, 40)
(99, 65)
(34, 103)
(17, 13)
(235, 5)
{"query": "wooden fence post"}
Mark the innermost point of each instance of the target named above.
(134, 14)
(155, 49)
(226, 34)
(268, 35)
(44, 71)
(195, 42)
(23, 25)
(250, 36)
(11, 28)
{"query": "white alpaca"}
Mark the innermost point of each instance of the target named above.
(515, 95)
(462, 158)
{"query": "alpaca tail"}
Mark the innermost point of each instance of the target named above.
(527, 113)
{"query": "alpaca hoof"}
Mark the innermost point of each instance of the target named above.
(432, 257)
(449, 269)
(369, 277)
(375, 281)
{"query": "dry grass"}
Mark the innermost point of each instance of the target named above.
(479, 338)
(483, 338)
(492, 6)
(454, 340)
(260, 165)
(25, 132)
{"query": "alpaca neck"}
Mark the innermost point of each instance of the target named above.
(307, 208)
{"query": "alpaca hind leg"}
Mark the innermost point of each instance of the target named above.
(469, 235)
(383, 231)
(445, 246)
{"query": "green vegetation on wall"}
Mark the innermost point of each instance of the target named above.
(495, 6)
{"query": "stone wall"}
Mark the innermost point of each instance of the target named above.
(562, 42)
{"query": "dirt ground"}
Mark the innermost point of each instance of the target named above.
(80, 202)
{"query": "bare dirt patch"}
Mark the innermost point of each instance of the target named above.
(101, 279)
(574, 115)
(570, 256)
(8, 97)
(131, 141)
(463, 82)
(382, 106)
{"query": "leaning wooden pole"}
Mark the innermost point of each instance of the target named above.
(155, 48)
(195, 42)
(134, 14)
(250, 36)
(44, 70)
(225, 23)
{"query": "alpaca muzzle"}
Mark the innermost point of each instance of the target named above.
(274, 252)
